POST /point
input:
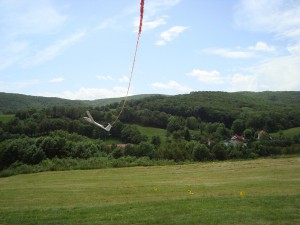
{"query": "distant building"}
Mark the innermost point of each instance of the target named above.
(237, 138)
(121, 145)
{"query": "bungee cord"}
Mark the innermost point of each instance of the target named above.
(109, 126)
(134, 59)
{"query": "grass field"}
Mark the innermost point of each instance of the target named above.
(6, 117)
(261, 191)
(288, 133)
(151, 131)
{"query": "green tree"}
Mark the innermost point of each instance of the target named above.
(201, 152)
(155, 140)
(219, 151)
(145, 149)
(238, 126)
(248, 134)
(192, 123)
(53, 147)
(130, 134)
(175, 124)
(33, 155)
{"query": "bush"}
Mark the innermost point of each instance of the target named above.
(201, 153)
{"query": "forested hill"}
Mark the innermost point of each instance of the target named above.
(209, 106)
(221, 107)
(10, 103)
(193, 126)
(223, 102)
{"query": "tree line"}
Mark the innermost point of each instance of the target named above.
(194, 131)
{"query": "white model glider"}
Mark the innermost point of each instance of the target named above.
(92, 121)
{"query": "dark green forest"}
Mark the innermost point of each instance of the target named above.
(199, 126)
(10, 103)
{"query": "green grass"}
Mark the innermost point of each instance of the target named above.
(202, 193)
(152, 131)
(288, 133)
(6, 117)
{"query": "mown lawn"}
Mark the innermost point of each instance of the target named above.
(261, 191)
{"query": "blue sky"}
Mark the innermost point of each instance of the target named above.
(79, 49)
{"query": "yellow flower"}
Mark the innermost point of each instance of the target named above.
(242, 193)
(190, 192)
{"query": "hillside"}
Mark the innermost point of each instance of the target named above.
(225, 101)
(193, 127)
(10, 103)
(223, 106)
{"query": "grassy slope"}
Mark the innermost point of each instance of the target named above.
(204, 193)
(151, 131)
(5, 118)
(288, 133)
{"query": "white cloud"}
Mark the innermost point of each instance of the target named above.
(278, 74)
(155, 6)
(24, 21)
(52, 51)
(92, 93)
(242, 53)
(212, 77)
(239, 82)
(18, 86)
(12, 52)
(57, 80)
(262, 46)
(294, 49)
(105, 77)
(173, 85)
(236, 82)
(228, 53)
(29, 17)
(107, 23)
(281, 17)
(122, 79)
(147, 25)
(170, 34)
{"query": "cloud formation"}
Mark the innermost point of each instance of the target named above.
(57, 80)
(150, 24)
(229, 53)
(18, 86)
(281, 17)
(242, 53)
(84, 93)
(156, 6)
(209, 77)
(29, 17)
(170, 34)
(171, 85)
(53, 50)
(122, 79)
(263, 47)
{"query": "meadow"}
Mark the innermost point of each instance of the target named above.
(6, 118)
(288, 132)
(260, 191)
(152, 131)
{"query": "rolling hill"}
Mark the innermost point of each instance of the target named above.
(10, 103)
